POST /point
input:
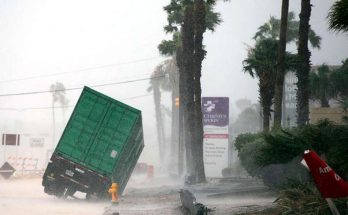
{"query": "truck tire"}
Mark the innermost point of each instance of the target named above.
(48, 190)
(54, 189)
(59, 191)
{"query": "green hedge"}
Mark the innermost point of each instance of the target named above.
(276, 156)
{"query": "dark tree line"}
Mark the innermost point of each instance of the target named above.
(268, 61)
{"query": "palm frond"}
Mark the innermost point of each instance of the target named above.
(167, 47)
(271, 30)
(314, 39)
(338, 16)
(212, 19)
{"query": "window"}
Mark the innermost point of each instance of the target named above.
(10, 139)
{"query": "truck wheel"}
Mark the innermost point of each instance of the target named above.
(59, 192)
(54, 190)
(48, 190)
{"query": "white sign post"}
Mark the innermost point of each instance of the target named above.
(215, 120)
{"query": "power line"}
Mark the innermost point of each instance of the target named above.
(78, 88)
(68, 106)
(79, 70)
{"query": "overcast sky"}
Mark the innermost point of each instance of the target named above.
(97, 42)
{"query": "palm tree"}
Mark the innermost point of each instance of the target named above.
(339, 78)
(261, 63)
(168, 81)
(172, 72)
(188, 21)
(271, 30)
(194, 26)
(302, 72)
(187, 77)
(198, 57)
(58, 95)
(279, 82)
(338, 16)
(320, 86)
(159, 81)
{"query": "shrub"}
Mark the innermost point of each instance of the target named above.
(278, 176)
(276, 156)
(325, 138)
(281, 147)
(248, 154)
(274, 175)
(246, 138)
(305, 199)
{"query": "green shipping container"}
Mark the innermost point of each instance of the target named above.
(104, 136)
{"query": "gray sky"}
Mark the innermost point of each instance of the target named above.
(44, 37)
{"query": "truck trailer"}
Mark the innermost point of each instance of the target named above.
(100, 145)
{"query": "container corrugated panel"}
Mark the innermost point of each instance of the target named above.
(103, 135)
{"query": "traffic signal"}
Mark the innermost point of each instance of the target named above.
(177, 103)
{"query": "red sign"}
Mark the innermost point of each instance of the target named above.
(328, 182)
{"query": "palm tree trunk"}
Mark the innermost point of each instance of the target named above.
(278, 95)
(159, 122)
(188, 96)
(175, 114)
(173, 134)
(199, 53)
(266, 96)
(266, 110)
(182, 99)
(303, 65)
(266, 114)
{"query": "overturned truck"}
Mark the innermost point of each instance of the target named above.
(101, 144)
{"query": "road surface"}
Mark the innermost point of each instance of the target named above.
(25, 196)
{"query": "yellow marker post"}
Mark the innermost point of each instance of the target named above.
(113, 191)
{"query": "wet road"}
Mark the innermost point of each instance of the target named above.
(25, 196)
